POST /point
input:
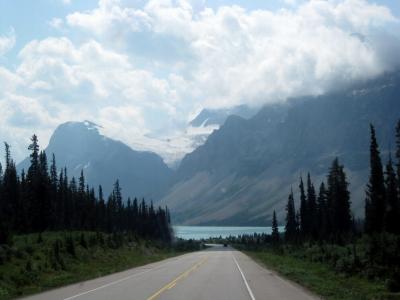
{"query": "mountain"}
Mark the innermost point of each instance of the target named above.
(80, 146)
(174, 146)
(245, 169)
(209, 117)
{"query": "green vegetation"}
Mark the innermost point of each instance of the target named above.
(325, 249)
(320, 277)
(44, 199)
(36, 262)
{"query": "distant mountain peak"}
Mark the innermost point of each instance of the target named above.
(81, 146)
(91, 125)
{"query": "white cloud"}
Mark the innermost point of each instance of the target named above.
(56, 23)
(256, 56)
(7, 42)
(141, 69)
(290, 2)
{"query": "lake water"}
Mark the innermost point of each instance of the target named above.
(204, 232)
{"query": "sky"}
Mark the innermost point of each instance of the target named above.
(143, 69)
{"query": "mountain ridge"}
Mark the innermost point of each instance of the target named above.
(245, 169)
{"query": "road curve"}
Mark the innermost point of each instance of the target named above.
(217, 273)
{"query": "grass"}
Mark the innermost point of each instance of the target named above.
(321, 279)
(32, 266)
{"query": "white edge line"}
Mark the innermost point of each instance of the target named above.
(244, 279)
(108, 284)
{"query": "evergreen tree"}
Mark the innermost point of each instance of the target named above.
(338, 200)
(398, 154)
(392, 221)
(275, 231)
(322, 213)
(44, 196)
(291, 223)
(101, 211)
(81, 202)
(375, 199)
(10, 191)
(56, 204)
(312, 208)
(304, 218)
(23, 196)
(33, 200)
(42, 200)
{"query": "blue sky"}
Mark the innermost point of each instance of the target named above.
(143, 69)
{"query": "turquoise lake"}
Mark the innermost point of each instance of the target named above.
(203, 232)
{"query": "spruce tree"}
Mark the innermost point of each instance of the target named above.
(71, 206)
(322, 213)
(375, 205)
(392, 220)
(10, 190)
(312, 208)
(44, 196)
(101, 211)
(291, 224)
(33, 179)
(338, 202)
(56, 209)
(275, 231)
(304, 218)
(398, 154)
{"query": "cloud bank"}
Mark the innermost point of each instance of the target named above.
(142, 69)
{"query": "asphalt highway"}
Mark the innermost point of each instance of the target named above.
(219, 273)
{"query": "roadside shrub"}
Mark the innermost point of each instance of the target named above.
(29, 249)
(57, 258)
(82, 241)
(92, 240)
(393, 282)
(40, 238)
(70, 245)
(28, 266)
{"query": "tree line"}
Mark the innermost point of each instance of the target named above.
(327, 216)
(45, 198)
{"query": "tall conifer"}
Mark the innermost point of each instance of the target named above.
(375, 205)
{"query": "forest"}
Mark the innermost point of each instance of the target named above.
(324, 230)
(44, 199)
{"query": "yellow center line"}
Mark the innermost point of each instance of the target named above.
(173, 282)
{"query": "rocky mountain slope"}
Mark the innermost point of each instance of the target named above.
(245, 169)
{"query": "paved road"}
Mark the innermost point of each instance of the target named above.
(215, 274)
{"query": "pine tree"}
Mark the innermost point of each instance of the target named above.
(80, 202)
(312, 208)
(275, 231)
(101, 215)
(304, 218)
(33, 200)
(398, 154)
(53, 202)
(118, 202)
(392, 220)
(23, 196)
(44, 197)
(338, 202)
(322, 213)
(56, 203)
(291, 223)
(375, 199)
(10, 190)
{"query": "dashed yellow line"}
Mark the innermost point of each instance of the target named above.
(174, 282)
